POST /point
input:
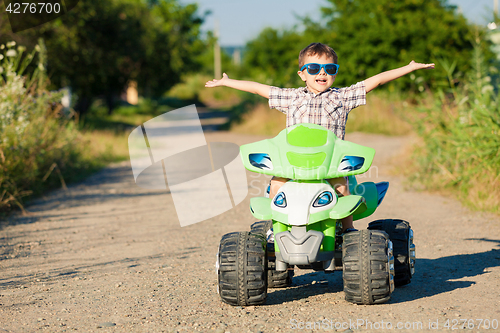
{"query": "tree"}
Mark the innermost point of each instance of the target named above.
(100, 45)
(374, 36)
(272, 57)
(369, 37)
(173, 47)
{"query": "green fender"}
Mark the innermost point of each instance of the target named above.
(368, 190)
(261, 208)
(349, 205)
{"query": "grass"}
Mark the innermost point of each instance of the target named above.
(260, 120)
(106, 135)
(192, 90)
(108, 146)
(383, 114)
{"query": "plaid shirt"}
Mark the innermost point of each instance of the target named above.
(328, 108)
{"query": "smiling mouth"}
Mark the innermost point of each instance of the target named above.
(321, 81)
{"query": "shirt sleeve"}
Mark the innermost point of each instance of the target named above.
(354, 96)
(281, 98)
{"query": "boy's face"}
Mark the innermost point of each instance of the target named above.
(321, 81)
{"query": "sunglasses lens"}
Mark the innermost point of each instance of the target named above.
(313, 69)
(331, 69)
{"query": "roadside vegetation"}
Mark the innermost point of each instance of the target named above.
(459, 131)
(40, 146)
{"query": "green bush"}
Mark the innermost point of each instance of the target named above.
(461, 139)
(39, 145)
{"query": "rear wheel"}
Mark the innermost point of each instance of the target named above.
(401, 235)
(275, 279)
(242, 272)
(368, 262)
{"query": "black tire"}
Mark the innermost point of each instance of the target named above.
(261, 227)
(366, 260)
(242, 272)
(277, 279)
(274, 279)
(400, 234)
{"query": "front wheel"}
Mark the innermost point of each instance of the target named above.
(242, 272)
(368, 267)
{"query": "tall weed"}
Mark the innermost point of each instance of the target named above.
(460, 139)
(40, 147)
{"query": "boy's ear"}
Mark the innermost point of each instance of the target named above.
(302, 75)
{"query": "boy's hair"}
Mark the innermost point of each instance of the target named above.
(318, 49)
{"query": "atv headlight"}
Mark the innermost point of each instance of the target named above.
(280, 200)
(323, 199)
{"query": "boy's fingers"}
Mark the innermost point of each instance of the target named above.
(419, 65)
(211, 83)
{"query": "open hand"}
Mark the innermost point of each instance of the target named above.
(415, 65)
(217, 83)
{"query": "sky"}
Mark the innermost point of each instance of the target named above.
(241, 20)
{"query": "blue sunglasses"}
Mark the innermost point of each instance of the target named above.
(313, 69)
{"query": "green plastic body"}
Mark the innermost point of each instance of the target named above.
(311, 153)
(307, 162)
(327, 227)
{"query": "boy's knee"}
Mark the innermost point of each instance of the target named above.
(340, 185)
(342, 190)
(276, 183)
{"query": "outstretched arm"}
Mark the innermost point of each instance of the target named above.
(384, 77)
(248, 86)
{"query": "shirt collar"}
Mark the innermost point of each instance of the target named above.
(308, 92)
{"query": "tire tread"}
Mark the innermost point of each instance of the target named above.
(366, 279)
(242, 269)
(398, 231)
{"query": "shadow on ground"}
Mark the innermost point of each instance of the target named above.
(432, 277)
(111, 183)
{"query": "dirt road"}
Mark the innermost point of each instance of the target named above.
(107, 256)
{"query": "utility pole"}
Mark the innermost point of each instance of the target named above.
(217, 65)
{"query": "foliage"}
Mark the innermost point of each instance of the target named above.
(173, 47)
(272, 58)
(206, 60)
(259, 120)
(39, 147)
(100, 45)
(460, 134)
(192, 90)
(369, 37)
(374, 36)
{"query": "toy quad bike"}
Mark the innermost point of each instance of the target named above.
(301, 225)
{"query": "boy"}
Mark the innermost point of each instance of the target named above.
(318, 103)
